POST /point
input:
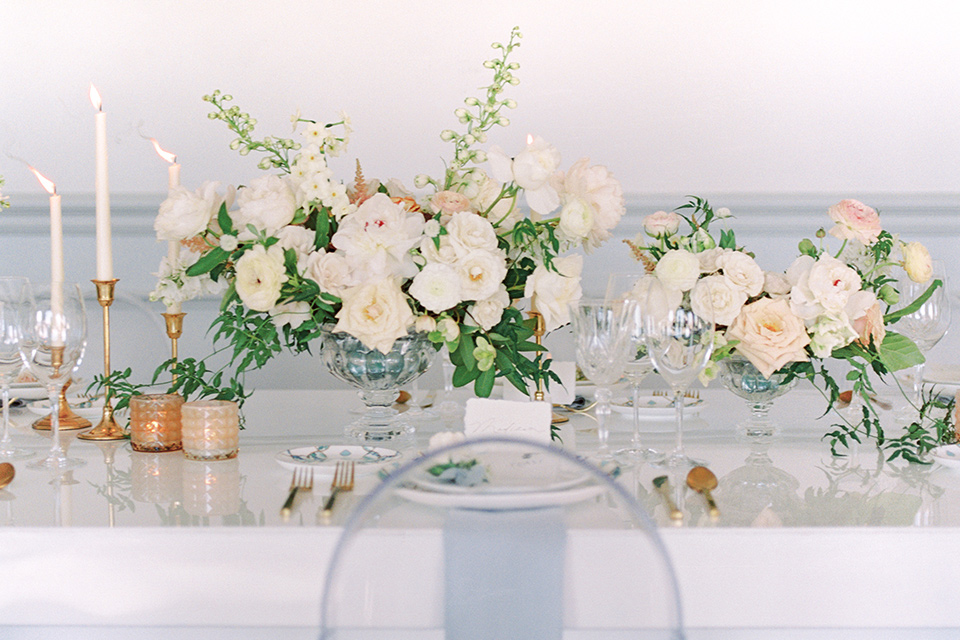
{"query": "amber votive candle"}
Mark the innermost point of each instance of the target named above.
(155, 422)
(210, 429)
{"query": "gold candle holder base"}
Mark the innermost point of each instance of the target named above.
(174, 323)
(107, 429)
(540, 328)
(68, 419)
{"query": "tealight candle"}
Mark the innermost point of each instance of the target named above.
(155, 422)
(210, 429)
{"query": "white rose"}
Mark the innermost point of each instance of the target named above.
(742, 271)
(555, 291)
(917, 262)
(709, 259)
(678, 269)
(185, 213)
(437, 287)
(829, 333)
(832, 282)
(291, 313)
(260, 274)
(431, 228)
(576, 219)
(468, 232)
(769, 335)
(268, 203)
(487, 313)
(330, 271)
(445, 253)
(775, 284)
(481, 272)
(375, 313)
(716, 300)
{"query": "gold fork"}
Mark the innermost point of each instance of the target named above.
(302, 479)
(342, 481)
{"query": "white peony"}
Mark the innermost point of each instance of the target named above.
(487, 313)
(832, 283)
(290, 313)
(268, 203)
(376, 239)
(330, 271)
(297, 238)
(831, 332)
(775, 284)
(481, 272)
(742, 271)
(591, 197)
(532, 170)
(375, 313)
(184, 213)
(260, 274)
(468, 232)
(678, 269)
(717, 300)
(437, 287)
(554, 291)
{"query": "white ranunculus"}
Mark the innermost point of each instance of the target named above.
(330, 271)
(716, 299)
(709, 259)
(184, 213)
(487, 313)
(376, 239)
(268, 203)
(661, 224)
(742, 271)
(481, 272)
(832, 283)
(375, 313)
(917, 262)
(678, 269)
(260, 274)
(291, 313)
(831, 332)
(555, 291)
(576, 219)
(437, 287)
(469, 232)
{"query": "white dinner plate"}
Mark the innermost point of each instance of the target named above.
(28, 391)
(324, 458)
(85, 408)
(528, 500)
(657, 407)
(528, 473)
(948, 455)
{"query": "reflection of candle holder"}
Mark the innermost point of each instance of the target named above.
(174, 322)
(156, 477)
(211, 488)
(108, 428)
(68, 419)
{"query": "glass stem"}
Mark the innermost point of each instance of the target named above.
(5, 441)
(56, 449)
(918, 385)
(636, 415)
(448, 370)
(603, 410)
(678, 405)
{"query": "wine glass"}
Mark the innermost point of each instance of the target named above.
(623, 287)
(680, 343)
(52, 342)
(601, 335)
(928, 324)
(14, 294)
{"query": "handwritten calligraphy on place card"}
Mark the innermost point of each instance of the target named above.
(485, 417)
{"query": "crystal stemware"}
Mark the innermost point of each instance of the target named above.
(14, 294)
(628, 287)
(928, 324)
(602, 341)
(680, 343)
(53, 339)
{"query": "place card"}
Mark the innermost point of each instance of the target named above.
(524, 419)
(563, 393)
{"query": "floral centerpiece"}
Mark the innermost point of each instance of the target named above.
(298, 250)
(826, 306)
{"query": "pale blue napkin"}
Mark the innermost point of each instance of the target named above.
(504, 574)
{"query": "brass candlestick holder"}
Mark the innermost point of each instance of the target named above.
(174, 331)
(108, 429)
(539, 329)
(68, 419)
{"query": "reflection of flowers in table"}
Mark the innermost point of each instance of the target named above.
(828, 305)
(4, 201)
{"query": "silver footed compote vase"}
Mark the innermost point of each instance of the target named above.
(378, 376)
(739, 375)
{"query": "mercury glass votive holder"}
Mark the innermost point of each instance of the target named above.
(210, 429)
(155, 422)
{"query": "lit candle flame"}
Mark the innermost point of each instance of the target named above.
(95, 98)
(45, 182)
(529, 138)
(166, 155)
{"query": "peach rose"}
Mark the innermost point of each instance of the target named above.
(770, 335)
(855, 221)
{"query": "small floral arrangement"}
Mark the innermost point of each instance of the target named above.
(464, 472)
(297, 250)
(827, 305)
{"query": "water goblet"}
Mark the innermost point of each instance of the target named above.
(680, 343)
(927, 325)
(14, 294)
(602, 342)
(622, 287)
(52, 342)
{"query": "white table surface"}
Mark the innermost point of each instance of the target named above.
(806, 544)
